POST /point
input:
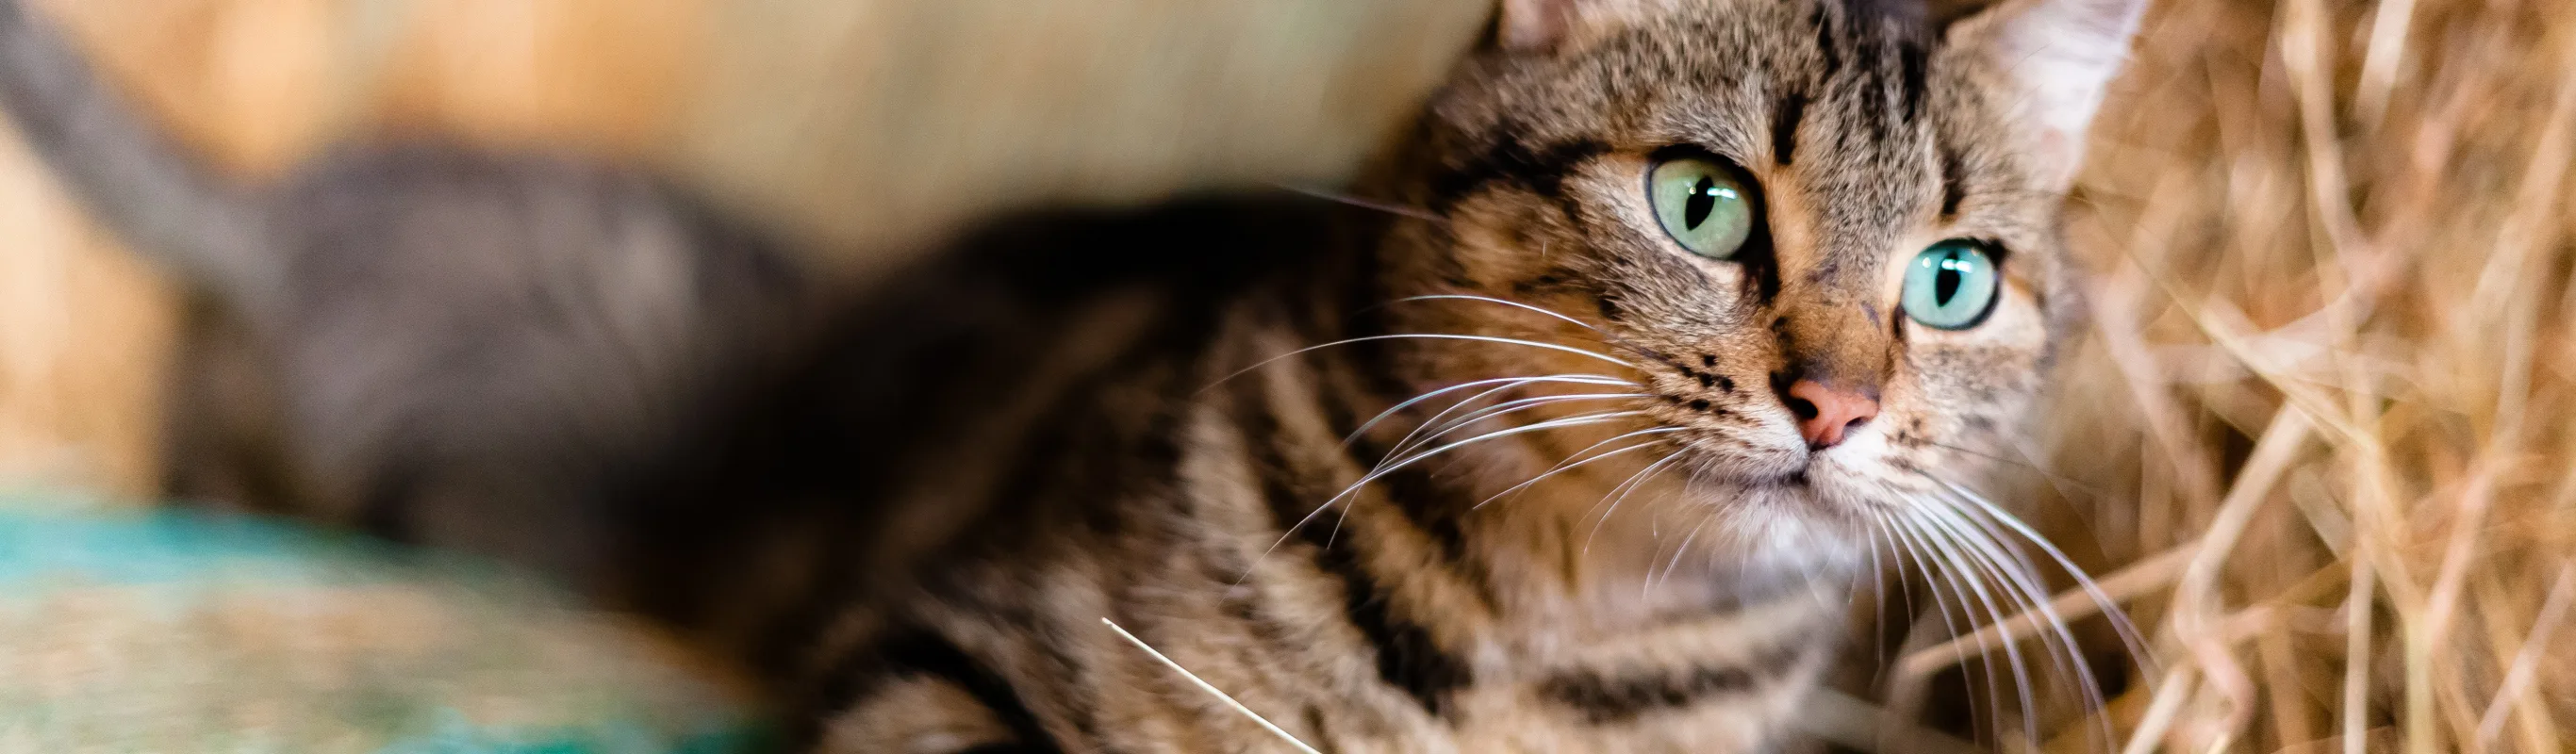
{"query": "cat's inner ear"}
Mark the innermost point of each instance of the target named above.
(1549, 25)
(2058, 56)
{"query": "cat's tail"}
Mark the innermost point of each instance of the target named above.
(131, 174)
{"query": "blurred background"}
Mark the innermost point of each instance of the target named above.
(2316, 436)
(860, 127)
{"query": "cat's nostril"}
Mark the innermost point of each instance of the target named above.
(1826, 415)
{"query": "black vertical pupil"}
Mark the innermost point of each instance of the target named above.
(1702, 199)
(1945, 284)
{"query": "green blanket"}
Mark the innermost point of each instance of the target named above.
(172, 630)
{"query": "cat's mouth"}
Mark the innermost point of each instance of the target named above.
(1831, 482)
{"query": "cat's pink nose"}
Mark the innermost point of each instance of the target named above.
(1826, 414)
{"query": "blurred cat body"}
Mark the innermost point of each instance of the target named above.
(914, 524)
(436, 343)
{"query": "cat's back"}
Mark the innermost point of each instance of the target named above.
(1027, 377)
(1061, 307)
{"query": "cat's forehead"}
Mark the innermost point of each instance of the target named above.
(1738, 77)
(1855, 106)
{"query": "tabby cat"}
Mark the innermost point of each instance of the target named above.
(1568, 433)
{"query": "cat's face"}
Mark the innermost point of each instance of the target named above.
(1822, 239)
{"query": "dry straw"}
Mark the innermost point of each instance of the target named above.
(2318, 438)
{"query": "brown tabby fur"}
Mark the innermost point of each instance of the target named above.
(917, 531)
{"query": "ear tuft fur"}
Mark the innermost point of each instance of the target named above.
(2059, 55)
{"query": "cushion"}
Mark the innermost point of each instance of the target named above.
(162, 629)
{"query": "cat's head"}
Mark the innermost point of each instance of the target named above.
(1822, 236)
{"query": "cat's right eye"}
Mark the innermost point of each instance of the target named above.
(1707, 206)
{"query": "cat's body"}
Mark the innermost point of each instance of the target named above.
(1086, 456)
(916, 526)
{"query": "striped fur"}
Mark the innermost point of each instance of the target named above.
(1119, 484)
(915, 531)
(1136, 451)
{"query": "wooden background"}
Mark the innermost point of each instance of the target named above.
(860, 126)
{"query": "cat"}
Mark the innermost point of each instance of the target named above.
(1570, 432)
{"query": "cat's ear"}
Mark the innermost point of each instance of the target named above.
(1545, 25)
(2057, 56)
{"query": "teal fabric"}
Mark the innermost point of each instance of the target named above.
(181, 630)
(165, 546)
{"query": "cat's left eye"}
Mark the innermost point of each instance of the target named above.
(1953, 285)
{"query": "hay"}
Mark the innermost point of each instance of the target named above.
(2318, 435)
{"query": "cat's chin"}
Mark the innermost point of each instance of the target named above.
(1796, 516)
(1782, 529)
(1801, 508)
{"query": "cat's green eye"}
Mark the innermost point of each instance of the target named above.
(1706, 206)
(1952, 285)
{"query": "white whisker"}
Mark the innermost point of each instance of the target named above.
(1563, 466)
(1210, 688)
(1425, 336)
(1517, 404)
(1576, 420)
(1392, 209)
(2119, 619)
(1970, 585)
(1678, 552)
(1901, 530)
(1578, 379)
(1571, 421)
(2023, 585)
(1620, 494)
(1968, 568)
(1385, 468)
(1408, 441)
(1878, 593)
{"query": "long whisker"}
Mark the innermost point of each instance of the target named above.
(1878, 592)
(2058, 643)
(1514, 304)
(1576, 420)
(1901, 530)
(1620, 494)
(1993, 545)
(1896, 552)
(1210, 688)
(1678, 551)
(1963, 571)
(1608, 338)
(1392, 209)
(1571, 421)
(1516, 404)
(1426, 336)
(1407, 442)
(2054, 479)
(2020, 578)
(1564, 466)
(2119, 619)
(1577, 379)
(1385, 468)
(2023, 585)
